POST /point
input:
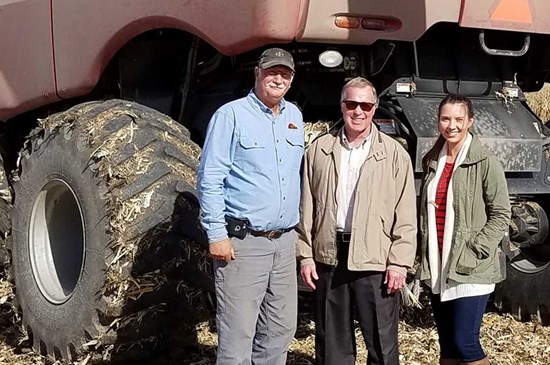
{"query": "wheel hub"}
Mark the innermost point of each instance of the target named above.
(56, 240)
(529, 225)
(529, 232)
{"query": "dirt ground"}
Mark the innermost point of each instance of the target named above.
(507, 341)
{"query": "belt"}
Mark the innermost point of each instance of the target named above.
(272, 235)
(343, 237)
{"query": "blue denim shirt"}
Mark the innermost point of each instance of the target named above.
(250, 167)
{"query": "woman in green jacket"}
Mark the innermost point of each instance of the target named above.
(464, 214)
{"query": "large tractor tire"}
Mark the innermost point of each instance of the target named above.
(525, 293)
(5, 224)
(107, 253)
(6, 198)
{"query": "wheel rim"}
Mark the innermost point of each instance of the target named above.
(56, 241)
(528, 266)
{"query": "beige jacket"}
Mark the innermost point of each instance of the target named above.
(383, 234)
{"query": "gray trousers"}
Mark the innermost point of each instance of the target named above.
(257, 301)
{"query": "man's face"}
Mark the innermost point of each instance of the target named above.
(454, 122)
(272, 84)
(358, 107)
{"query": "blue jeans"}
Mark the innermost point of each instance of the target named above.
(458, 324)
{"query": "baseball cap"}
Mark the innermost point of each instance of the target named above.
(276, 57)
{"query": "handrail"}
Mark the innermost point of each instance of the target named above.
(504, 52)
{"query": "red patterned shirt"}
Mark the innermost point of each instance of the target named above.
(441, 202)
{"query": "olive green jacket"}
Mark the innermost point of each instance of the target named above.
(482, 213)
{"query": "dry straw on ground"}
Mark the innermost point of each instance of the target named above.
(507, 341)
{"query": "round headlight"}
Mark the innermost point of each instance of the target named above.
(331, 58)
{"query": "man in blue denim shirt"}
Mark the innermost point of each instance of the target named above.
(249, 191)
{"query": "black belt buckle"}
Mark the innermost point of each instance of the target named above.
(344, 237)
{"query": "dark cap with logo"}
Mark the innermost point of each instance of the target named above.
(276, 57)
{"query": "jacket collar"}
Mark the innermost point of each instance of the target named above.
(475, 154)
(377, 149)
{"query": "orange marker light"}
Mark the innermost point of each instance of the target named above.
(347, 22)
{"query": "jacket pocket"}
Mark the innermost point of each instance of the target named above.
(385, 239)
(386, 227)
(501, 258)
(370, 241)
(467, 260)
(378, 240)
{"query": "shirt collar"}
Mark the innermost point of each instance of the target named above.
(253, 99)
(346, 144)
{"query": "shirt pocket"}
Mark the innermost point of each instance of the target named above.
(295, 148)
(252, 153)
(295, 140)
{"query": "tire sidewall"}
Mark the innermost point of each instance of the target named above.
(60, 158)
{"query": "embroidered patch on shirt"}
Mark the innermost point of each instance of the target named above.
(292, 126)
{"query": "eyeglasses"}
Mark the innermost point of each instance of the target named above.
(352, 105)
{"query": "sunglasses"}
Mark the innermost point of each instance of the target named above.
(352, 105)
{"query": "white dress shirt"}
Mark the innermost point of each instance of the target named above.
(352, 160)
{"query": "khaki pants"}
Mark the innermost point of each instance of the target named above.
(257, 301)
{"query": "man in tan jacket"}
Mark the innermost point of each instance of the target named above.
(357, 234)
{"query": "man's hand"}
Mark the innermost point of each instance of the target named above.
(222, 250)
(394, 281)
(308, 274)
